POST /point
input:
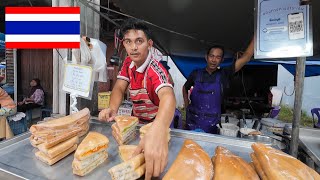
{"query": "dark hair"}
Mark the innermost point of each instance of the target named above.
(88, 39)
(135, 24)
(38, 86)
(216, 47)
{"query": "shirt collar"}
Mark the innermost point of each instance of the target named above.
(143, 67)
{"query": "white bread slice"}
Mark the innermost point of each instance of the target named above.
(125, 141)
(80, 165)
(91, 167)
(136, 174)
(123, 136)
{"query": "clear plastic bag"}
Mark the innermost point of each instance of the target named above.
(98, 57)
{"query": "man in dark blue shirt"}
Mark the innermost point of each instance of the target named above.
(204, 108)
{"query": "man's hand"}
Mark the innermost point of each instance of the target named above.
(107, 115)
(155, 146)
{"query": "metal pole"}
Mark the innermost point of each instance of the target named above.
(15, 76)
(299, 83)
(69, 58)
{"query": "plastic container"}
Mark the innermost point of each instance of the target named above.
(18, 127)
(228, 129)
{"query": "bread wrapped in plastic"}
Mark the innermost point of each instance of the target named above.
(191, 163)
(279, 165)
(58, 130)
(228, 166)
(63, 123)
(256, 165)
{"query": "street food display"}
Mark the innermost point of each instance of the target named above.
(97, 156)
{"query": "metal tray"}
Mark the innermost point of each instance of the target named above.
(17, 155)
(309, 140)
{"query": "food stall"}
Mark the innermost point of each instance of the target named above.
(17, 155)
(17, 159)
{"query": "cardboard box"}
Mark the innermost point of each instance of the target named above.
(103, 100)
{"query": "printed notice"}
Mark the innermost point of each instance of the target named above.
(77, 79)
(283, 29)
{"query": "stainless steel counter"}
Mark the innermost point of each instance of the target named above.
(17, 155)
(309, 141)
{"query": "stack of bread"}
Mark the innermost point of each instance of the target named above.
(228, 166)
(91, 152)
(274, 164)
(144, 129)
(124, 129)
(191, 163)
(131, 169)
(57, 138)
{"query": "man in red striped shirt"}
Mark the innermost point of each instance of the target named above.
(150, 91)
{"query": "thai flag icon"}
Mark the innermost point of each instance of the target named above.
(42, 27)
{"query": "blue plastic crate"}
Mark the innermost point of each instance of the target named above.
(18, 127)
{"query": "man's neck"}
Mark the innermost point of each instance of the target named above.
(210, 71)
(138, 64)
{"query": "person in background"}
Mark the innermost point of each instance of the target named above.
(35, 97)
(204, 110)
(8, 107)
(151, 92)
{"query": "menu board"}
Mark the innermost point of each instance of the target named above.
(77, 79)
(283, 29)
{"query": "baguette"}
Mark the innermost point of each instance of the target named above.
(61, 138)
(136, 174)
(258, 167)
(58, 149)
(124, 168)
(42, 157)
(64, 122)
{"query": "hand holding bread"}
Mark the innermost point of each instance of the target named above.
(107, 115)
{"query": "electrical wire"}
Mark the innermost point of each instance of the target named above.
(152, 24)
(30, 3)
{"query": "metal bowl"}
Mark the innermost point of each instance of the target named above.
(261, 138)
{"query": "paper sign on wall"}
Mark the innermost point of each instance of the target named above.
(283, 29)
(77, 79)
